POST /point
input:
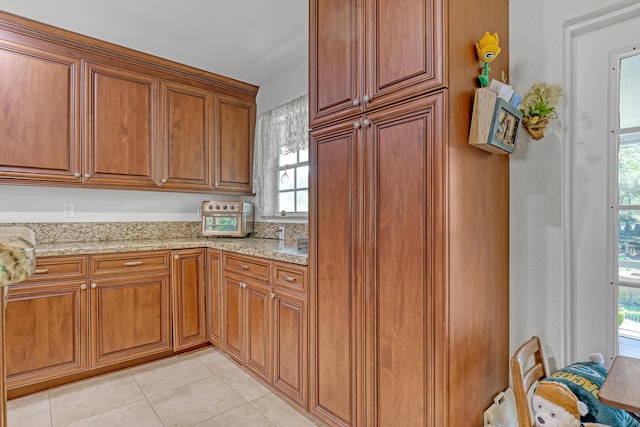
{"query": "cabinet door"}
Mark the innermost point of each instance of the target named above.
(404, 54)
(290, 346)
(130, 318)
(258, 329)
(214, 296)
(187, 138)
(235, 127)
(334, 291)
(335, 56)
(405, 154)
(121, 141)
(188, 291)
(40, 132)
(233, 317)
(46, 331)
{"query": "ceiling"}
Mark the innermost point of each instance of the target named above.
(249, 40)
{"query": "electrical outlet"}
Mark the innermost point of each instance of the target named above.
(68, 210)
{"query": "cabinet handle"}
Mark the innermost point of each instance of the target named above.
(356, 102)
(42, 270)
(83, 287)
(365, 98)
(288, 278)
(94, 285)
(77, 174)
(87, 175)
(132, 263)
(273, 295)
(366, 122)
(356, 125)
(244, 266)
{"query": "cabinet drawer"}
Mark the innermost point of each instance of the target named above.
(130, 262)
(289, 276)
(248, 266)
(63, 267)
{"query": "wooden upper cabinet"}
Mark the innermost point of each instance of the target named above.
(121, 140)
(356, 67)
(335, 57)
(39, 124)
(187, 115)
(235, 126)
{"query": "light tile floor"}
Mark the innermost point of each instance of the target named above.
(202, 389)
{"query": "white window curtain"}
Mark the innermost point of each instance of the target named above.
(279, 131)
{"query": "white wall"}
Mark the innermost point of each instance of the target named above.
(540, 230)
(288, 86)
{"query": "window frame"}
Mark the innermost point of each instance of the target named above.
(615, 206)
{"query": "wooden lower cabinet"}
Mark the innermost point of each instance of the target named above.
(290, 345)
(46, 331)
(188, 295)
(130, 318)
(247, 323)
(214, 296)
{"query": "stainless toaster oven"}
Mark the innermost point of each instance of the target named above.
(227, 219)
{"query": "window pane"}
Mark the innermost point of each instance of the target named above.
(629, 321)
(304, 155)
(302, 177)
(285, 180)
(630, 91)
(288, 159)
(629, 246)
(302, 201)
(286, 201)
(629, 169)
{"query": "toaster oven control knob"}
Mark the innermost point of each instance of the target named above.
(224, 207)
(217, 207)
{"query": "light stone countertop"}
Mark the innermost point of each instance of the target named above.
(263, 248)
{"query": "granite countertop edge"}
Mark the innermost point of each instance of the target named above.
(262, 248)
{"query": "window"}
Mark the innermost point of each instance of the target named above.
(293, 182)
(281, 159)
(626, 134)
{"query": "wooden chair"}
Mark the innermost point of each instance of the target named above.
(527, 367)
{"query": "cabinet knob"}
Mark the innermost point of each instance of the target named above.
(365, 98)
(164, 180)
(366, 123)
(77, 174)
(87, 175)
(94, 285)
(176, 257)
(356, 125)
(244, 285)
(356, 102)
(273, 295)
(83, 287)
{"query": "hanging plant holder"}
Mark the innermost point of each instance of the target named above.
(535, 126)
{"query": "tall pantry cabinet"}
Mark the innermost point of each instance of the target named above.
(409, 224)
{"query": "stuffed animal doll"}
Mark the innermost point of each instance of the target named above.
(569, 397)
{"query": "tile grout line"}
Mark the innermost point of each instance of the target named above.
(146, 398)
